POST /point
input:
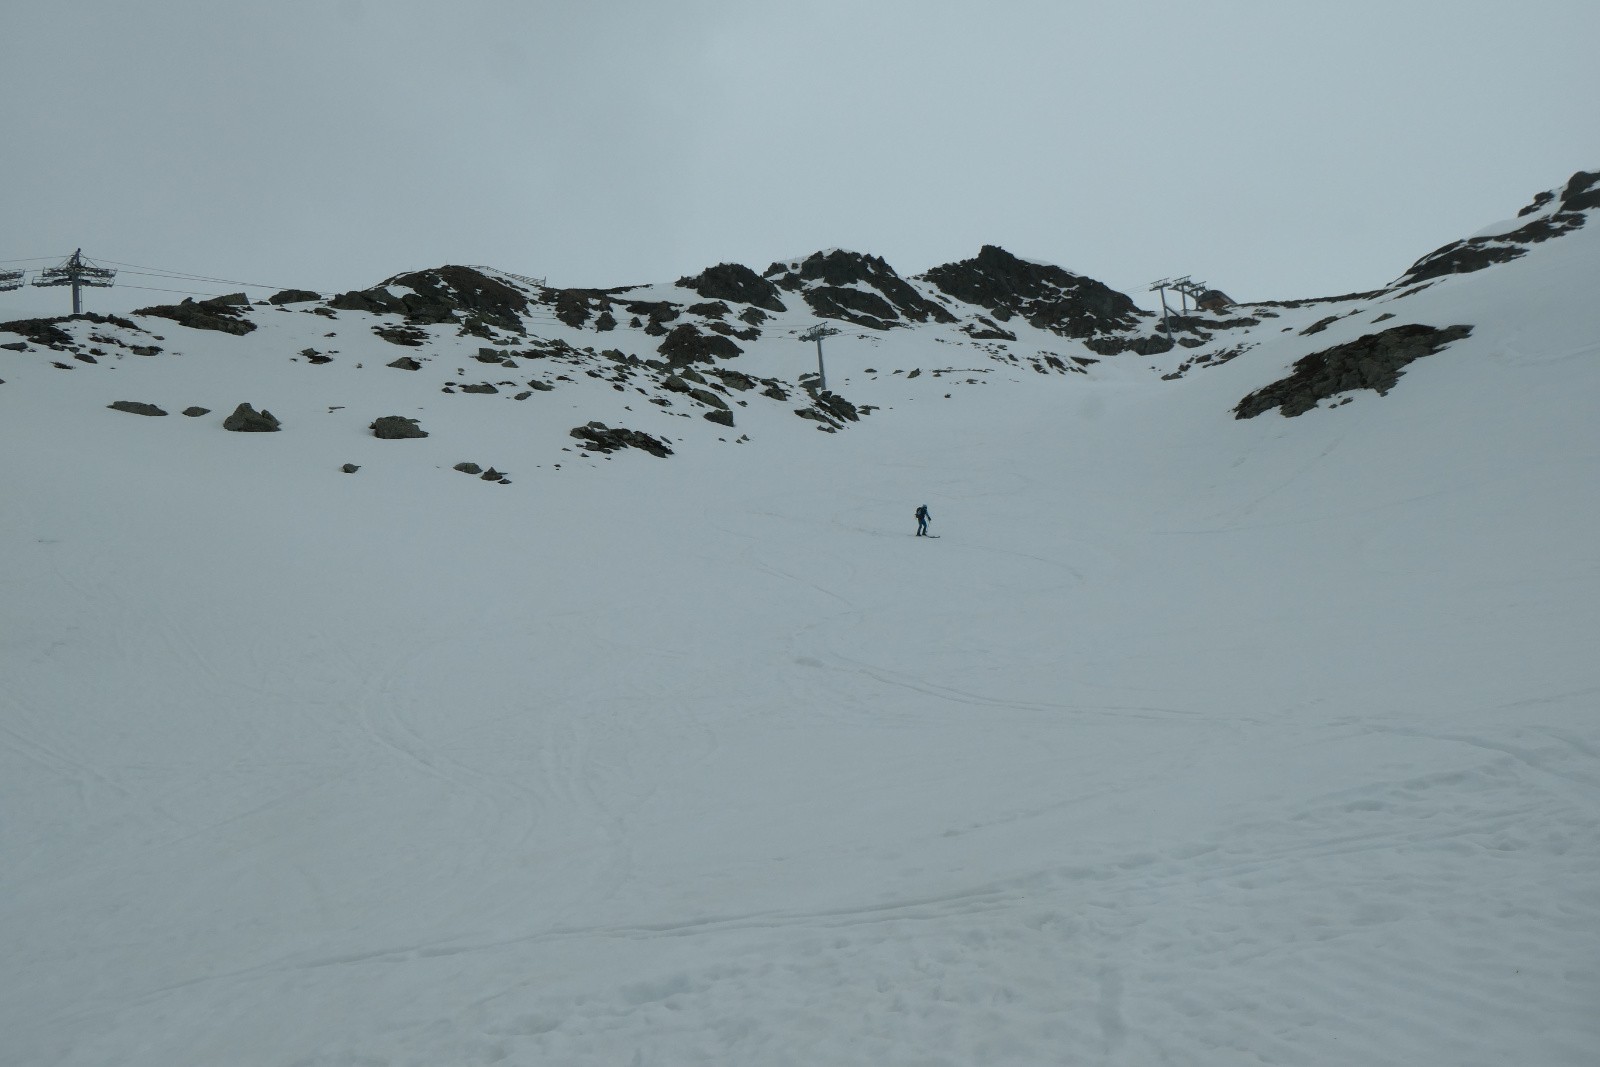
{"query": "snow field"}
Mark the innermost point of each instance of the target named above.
(1189, 741)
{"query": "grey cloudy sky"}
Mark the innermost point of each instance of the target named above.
(1275, 148)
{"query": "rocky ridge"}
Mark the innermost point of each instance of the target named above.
(613, 368)
(1551, 213)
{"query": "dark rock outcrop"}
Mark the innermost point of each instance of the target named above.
(852, 305)
(598, 437)
(135, 407)
(676, 384)
(1144, 345)
(1046, 297)
(196, 412)
(1552, 214)
(46, 332)
(735, 282)
(1582, 191)
(410, 336)
(686, 345)
(396, 428)
(224, 314)
(856, 288)
(837, 406)
(293, 296)
(1374, 361)
(39, 331)
(442, 294)
(573, 305)
(657, 314)
(246, 419)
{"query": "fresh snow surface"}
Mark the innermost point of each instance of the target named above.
(1190, 741)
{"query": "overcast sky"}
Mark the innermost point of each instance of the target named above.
(1275, 148)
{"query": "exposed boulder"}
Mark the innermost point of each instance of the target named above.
(1045, 296)
(196, 412)
(396, 428)
(1374, 361)
(735, 282)
(293, 296)
(246, 419)
(677, 384)
(350, 468)
(733, 379)
(468, 468)
(598, 437)
(405, 363)
(837, 406)
(135, 407)
(410, 336)
(824, 423)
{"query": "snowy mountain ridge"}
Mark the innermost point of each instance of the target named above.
(733, 357)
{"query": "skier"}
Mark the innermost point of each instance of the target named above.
(923, 515)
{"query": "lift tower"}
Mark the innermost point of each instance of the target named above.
(1161, 287)
(78, 273)
(817, 333)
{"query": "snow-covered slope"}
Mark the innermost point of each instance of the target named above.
(1195, 738)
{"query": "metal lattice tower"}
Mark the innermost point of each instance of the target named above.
(78, 273)
(817, 333)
